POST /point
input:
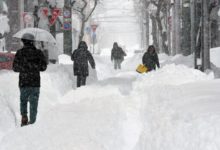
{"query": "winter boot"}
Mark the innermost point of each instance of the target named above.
(24, 120)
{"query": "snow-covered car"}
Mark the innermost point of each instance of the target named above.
(6, 60)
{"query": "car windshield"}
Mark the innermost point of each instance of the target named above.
(4, 59)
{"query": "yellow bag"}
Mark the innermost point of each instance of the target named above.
(141, 68)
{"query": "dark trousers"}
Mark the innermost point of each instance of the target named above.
(31, 95)
(81, 80)
(117, 63)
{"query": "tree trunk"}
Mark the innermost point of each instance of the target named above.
(147, 28)
(82, 30)
(67, 33)
(147, 23)
(154, 32)
(163, 36)
(141, 21)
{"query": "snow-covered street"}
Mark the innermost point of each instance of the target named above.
(171, 106)
(175, 107)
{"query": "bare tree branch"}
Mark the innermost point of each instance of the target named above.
(154, 3)
(95, 4)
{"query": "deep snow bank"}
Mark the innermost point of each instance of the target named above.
(55, 82)
(8, 101)
(184, 117)
(179, 109)
(164, 109)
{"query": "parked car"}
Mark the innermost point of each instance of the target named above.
(6, 60)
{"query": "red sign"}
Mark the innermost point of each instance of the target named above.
(55, 14)
(45, 11)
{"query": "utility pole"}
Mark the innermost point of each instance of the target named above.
(173, 29)
(192, 22)
(186, 28)
(205, 37)
(67, 27)
(177, 26)
(168, 6)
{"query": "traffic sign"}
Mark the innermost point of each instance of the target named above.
(66, 13)
(67, 26)
(55, 14)
(44, 11)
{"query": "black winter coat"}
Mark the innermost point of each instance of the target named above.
(29, 61)
(117, 53)
(81, 57)
(151, 60)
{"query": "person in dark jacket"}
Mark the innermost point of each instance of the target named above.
(150, 58)
(81, 56)
(29, 61)
(117, 55)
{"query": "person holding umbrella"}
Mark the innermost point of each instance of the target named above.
(43, 37)
(29, 61)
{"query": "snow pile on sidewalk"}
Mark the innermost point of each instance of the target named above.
(184, 117)
(9, 94)
(55, 82)
(173, 108)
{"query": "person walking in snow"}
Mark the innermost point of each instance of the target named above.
(150, 58)
(81, 56)
(29, 61)
(117, 55)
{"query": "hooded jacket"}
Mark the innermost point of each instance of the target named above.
(150, 60)
(117, 52)
(81, 56)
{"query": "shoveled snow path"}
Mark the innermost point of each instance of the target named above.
(172, 108)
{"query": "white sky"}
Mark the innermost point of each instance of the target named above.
(117, 22)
